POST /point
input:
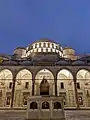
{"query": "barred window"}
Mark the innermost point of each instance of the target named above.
(62, 85)
(27, 85)
(10, 85)
(78, 85)
(8, 100)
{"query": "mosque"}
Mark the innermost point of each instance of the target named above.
(44, 68)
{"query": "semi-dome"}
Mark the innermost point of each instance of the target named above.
(10, 63)
(62, 62)
(26, 63)
(78, 63)
(44, 46)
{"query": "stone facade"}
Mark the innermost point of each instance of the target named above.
(44, 72)
(45, 108)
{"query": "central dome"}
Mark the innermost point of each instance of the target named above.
(44, 40)
(44, 46)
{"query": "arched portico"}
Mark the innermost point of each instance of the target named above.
(65, 86)
(23, 87)
(44, 79)
(83, 87)
(6, 83)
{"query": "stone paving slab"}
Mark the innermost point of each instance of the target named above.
(21, 115)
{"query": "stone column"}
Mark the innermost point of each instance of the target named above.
(55, 80)
(51, 109)
(13, 88)
(28, 107)
(39, 109)
(33, 81)
(76, 93)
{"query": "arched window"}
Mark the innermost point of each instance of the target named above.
(39, 44)
(44, 44)
(57, 105)
(52, 45)
(33, 105)
(49, 45)
(45, 105)
(36, 45)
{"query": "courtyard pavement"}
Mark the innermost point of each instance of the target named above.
(21, 114)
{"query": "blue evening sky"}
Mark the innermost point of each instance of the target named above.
(65, 21)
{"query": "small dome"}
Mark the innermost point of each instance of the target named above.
(62, 62)
(10, 63)
(68, 51)
(25, 63)
(20, 52)
(78, 63)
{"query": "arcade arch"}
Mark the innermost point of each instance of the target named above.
(83, 87)
(44, 83)
(6, 83)
(65, 86)
(23, 87)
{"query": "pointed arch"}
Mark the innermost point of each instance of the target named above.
(23, 87)
(65, 86)
(46, 74)
(83, 74)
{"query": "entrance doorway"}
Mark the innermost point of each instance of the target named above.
(44, 87)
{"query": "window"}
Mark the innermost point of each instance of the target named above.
(80, 100)
(33, 105)
(62, 85)
(27, 85)
(78, 85)
(57, 47)
(45, 105)
(39, 44)
(57, 105)
(49, 45)
(46, 49)
(25, 100)
(31, 47)
(35, 45)
(0, 93)
(10, 85)
(41, 49)
(64, 103)
(51, 50)
(44, 44)
(25, 96)
(52, 45)
(8, 100)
